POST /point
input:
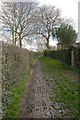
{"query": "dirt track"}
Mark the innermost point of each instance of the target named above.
(36, 102)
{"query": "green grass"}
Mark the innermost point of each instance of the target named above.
(67, 91)
(76, 69)
(17, 93)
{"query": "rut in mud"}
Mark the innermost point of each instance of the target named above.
(36, 102)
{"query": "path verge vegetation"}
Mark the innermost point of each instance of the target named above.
(17, 93)
(63, 86)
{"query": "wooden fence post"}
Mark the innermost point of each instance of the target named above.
(72, 58)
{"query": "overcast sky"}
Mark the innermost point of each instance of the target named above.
(69, 8)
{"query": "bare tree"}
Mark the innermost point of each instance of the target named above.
(24, 20)
(39, 43)
(48, 18)
(17, 19)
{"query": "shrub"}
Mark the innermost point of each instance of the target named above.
(65, 55)
(62, 55)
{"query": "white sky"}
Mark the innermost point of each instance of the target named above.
(69, 8)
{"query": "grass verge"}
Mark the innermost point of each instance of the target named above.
(17, 93)
(66, 90)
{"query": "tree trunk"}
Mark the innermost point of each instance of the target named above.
(20, 41)
(13, 37)
(47, 44)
